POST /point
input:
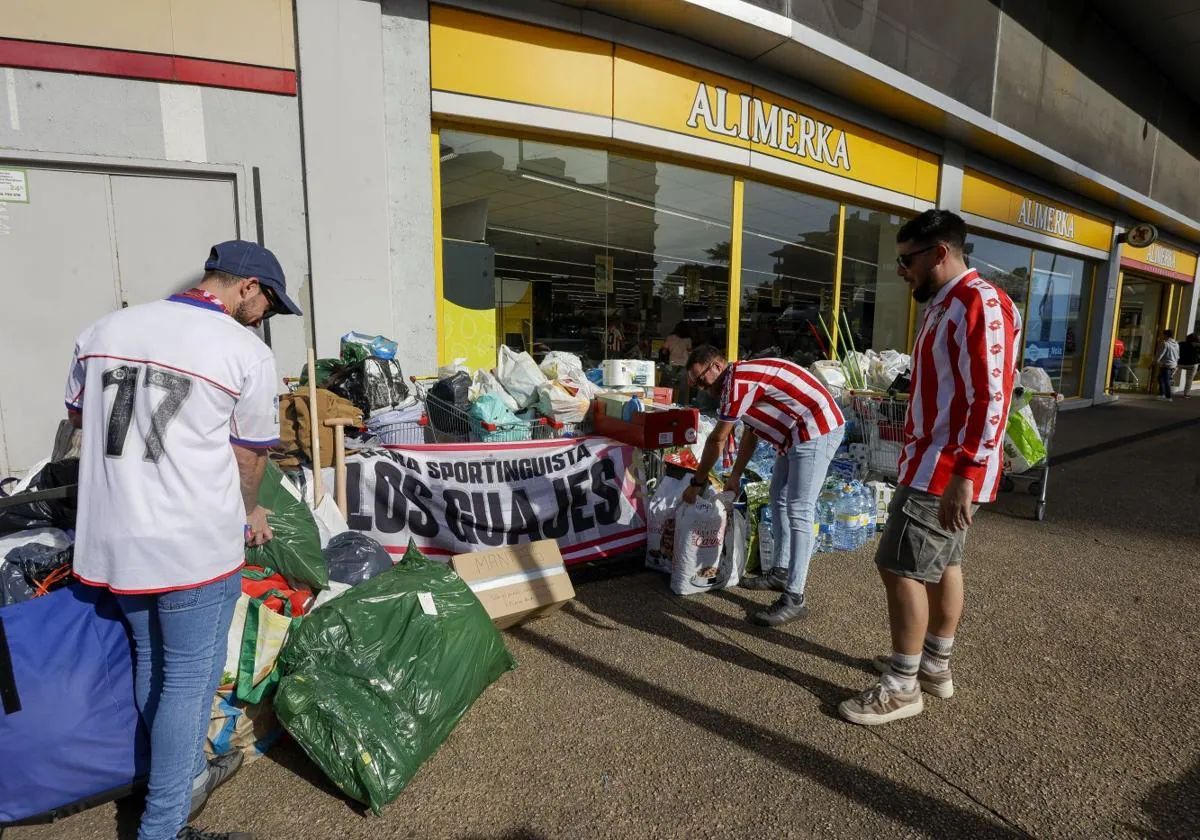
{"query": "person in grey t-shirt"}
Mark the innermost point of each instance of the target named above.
(1167, 359)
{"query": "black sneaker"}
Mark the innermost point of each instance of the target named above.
(189, 833)
(771, 580)
(787, 608)
(220, 770)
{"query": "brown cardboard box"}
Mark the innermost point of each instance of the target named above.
(516, 582)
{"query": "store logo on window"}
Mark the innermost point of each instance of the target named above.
(1160, 256)
(779, 128)
(1050, 219)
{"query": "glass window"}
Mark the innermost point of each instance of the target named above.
(1003, 264)
(789, 250)
(874, 299)
(551, 247)
(1057, 321)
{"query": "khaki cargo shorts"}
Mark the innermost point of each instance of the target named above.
(913, 544)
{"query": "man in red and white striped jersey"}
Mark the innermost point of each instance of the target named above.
(964, 362)
(784, 405)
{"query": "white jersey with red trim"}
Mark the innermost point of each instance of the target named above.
(164, 389)
(964, 364)
(781, 401)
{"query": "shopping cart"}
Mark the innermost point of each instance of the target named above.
(403, 432)
(449, 423)
(880, 419)
(1042, 408)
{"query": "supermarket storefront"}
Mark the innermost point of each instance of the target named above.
(600, 199)
(684, 202)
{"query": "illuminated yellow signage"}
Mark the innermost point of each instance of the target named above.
(994, 199)
(1161, 260)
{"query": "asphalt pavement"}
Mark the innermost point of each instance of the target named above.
(634, 713)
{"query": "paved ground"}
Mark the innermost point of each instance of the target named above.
(638, 714)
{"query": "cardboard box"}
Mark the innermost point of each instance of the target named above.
(654, 428)
(518, 582)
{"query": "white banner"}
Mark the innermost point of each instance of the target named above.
(455, 498)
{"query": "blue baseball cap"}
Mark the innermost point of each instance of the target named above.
(249, 259)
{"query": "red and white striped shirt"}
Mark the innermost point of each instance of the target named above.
(964, 361)
(781, 401)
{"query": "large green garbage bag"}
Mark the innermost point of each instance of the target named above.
(375, 680)
(295, 550)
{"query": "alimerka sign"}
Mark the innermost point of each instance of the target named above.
(1160, 260)
(983, 195)
(749, 118)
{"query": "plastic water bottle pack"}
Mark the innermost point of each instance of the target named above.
(845, 516)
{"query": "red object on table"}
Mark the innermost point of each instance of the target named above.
(649, 429)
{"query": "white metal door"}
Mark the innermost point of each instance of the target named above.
(164, 228)
(87, 243)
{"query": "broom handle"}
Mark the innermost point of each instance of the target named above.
(315, 424)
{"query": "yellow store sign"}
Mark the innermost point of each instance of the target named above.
(994, 199)
(1161, 260)
(505, 61)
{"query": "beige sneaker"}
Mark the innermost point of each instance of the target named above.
(879, 705)
(939, 685)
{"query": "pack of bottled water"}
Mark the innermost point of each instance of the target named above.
(845, 515)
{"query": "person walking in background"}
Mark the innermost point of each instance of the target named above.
(678, 346)
(785, 405)
(963, 369)
(1167, 359)
(178, 403)
(1189, 359)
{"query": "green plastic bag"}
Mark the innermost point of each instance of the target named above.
(1022, 443)
(375, 680)
(295, 551)
(758, 495)
(325, 369)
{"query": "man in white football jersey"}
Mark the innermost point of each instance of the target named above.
(178, 405)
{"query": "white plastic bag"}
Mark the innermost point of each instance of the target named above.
(660, 526)
(558, 403)
(519, 375)
(484, 383)
(556, 363)
(697, 564)
(457, 366)
(703, 429)
(737, 545)
(885, 367)
(830, 374)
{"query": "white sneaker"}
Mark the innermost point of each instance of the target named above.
(878, 705)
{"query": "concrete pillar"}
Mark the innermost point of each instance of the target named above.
(1104, 313)
(410, 179)
(345, 168)
(951, 180)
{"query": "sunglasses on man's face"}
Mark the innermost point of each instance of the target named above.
(906, 260)
(696, 379)
(272, 300)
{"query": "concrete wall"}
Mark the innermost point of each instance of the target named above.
(1058, 72)
(364, 74)
(152, 125)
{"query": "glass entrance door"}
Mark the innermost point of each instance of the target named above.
(1140, 314)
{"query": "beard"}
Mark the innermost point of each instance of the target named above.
(922, 289)
(244, 315)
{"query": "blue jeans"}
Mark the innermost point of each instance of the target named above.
(795, 485)
(179, 652)
(1165, 375)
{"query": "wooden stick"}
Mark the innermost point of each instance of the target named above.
(315, 424)
(339, 424)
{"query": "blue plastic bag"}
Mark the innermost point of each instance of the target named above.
(492, 422)
(70, 736)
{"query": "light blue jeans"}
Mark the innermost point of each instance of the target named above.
(795, 485)
(179, 653)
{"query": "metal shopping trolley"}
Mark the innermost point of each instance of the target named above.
(403, 431)
(880, 419)
(450, 423)
(1038, 409)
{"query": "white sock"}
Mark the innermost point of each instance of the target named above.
(902, 677)
(935, 656)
